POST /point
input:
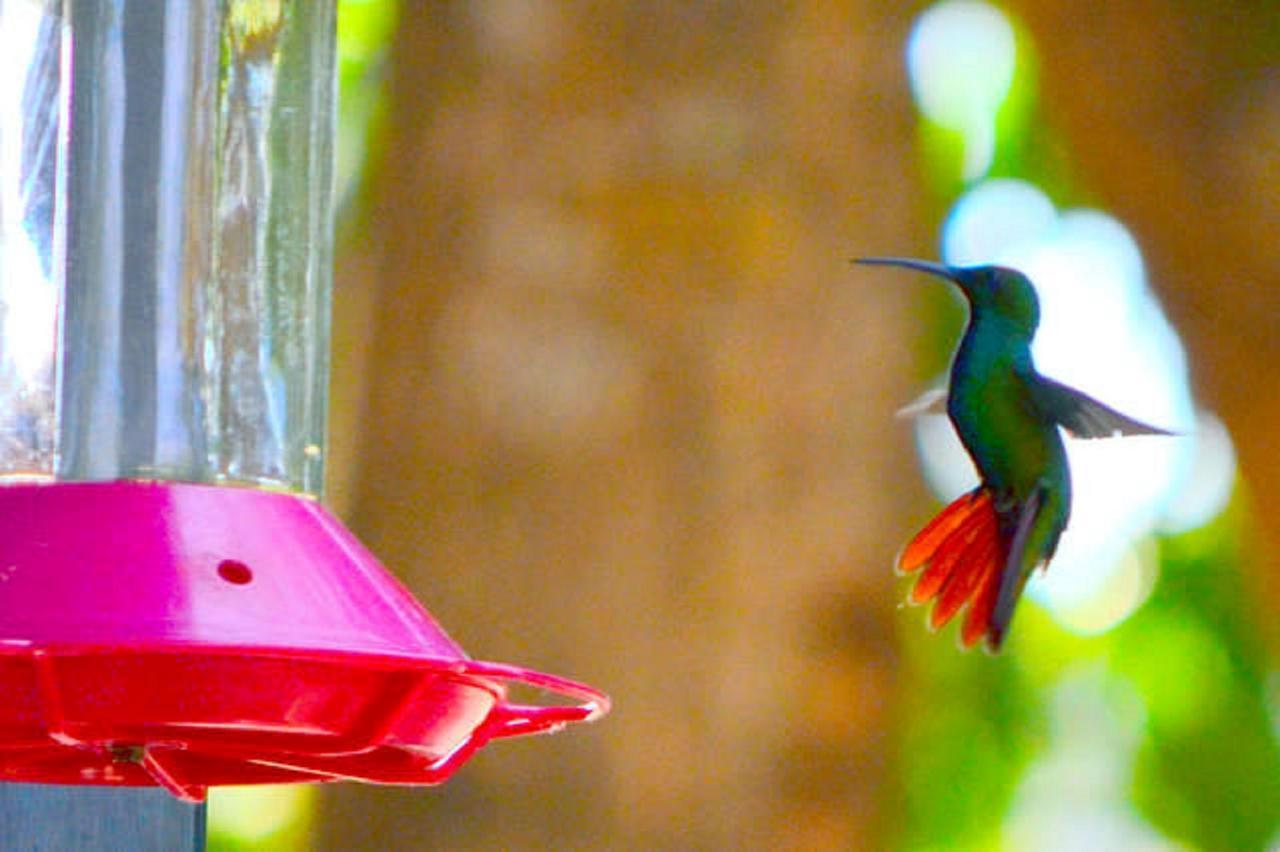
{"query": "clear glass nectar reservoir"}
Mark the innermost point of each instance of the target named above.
(32, 129)
(165, 240)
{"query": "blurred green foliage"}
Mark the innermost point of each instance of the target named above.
(364, 43)
(970, 735)
(1208, 769)
(247, 819)
(1191, 670)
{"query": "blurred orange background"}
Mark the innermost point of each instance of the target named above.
(609, 397)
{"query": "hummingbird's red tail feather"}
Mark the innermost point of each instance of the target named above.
(962, 554)
(948, 558)
(978, 622)
(927, 541)
(980, 556)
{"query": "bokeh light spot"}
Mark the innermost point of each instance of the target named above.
(1075, 795)
(1209, 484)
(961, 57)
(1095, 606)
(993, 217)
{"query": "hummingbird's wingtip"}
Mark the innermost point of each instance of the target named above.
(932, 401)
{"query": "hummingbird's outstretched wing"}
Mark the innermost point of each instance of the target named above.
(1082, 415)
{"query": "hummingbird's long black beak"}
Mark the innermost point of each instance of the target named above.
(938, 269)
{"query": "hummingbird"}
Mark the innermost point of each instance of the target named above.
(982, 548)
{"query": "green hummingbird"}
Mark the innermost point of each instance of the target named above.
(982, 548)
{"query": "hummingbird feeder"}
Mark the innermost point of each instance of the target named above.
(177, 608)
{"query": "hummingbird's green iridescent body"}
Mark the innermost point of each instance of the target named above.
(983, 548)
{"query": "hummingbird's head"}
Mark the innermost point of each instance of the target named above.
(993, 291)
(1002, 291)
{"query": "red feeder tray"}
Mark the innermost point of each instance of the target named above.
(192, 635)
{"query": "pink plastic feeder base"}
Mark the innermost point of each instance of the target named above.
(190, 636)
